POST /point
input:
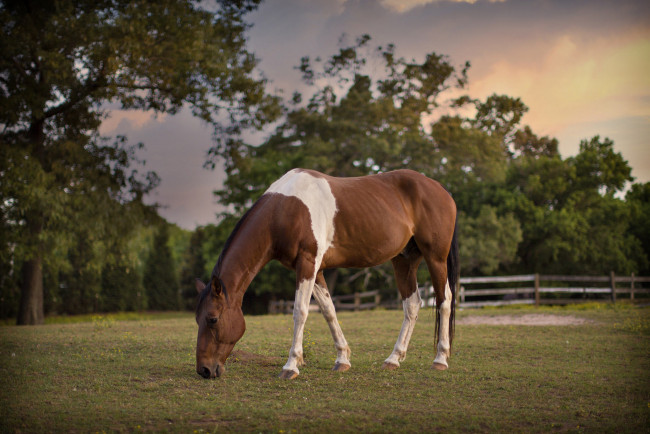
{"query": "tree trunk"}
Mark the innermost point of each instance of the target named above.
(31, 298)
(31, 311)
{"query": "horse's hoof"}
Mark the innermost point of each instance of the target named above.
(389, 366)
(439, 366)
(341, 367)
(288, 375)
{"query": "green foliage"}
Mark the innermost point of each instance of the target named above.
(571, 219)
(353, 123)
(359, 120)
(638, 199)
(122, 289)
(193, 268)
(598, 167)
(160, 278)
(522, 207)
(483, 254)
(70, 200)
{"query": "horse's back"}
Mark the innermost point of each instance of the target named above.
(378, 215)
(401, 194)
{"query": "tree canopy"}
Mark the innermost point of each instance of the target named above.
(522, 207)
(68, 191)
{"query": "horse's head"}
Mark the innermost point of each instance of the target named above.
(221, 325)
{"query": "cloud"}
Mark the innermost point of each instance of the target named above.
(120, 120)
(407, 5)
(175, 148)
(577, 81)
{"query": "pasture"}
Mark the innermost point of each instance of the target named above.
(138, 374)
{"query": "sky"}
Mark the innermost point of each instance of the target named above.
(582, 68)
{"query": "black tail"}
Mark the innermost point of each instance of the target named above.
(453, 276)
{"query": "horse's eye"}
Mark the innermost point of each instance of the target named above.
(213, 320)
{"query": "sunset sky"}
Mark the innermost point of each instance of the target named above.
(582, 67)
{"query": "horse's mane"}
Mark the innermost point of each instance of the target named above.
(216, 271)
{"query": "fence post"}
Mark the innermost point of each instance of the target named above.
(632, 288)
(462, 294)
(612, 282)
(536, 289)
(357, 301)
(377, 299)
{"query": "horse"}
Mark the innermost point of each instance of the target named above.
(309, 222)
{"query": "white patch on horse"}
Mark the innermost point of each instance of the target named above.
(317, 196)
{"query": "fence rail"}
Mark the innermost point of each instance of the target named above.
(553, 285)
(534, 293)
(353, 302)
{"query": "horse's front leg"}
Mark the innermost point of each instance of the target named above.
(322, 296)
(304, 288)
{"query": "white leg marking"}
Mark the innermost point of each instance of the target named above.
(411, 308)
(300, 312)
(327, 308)
(443, 343)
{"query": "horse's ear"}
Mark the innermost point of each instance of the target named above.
(216, 286)
(200, 286)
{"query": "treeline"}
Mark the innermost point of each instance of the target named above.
(77, 237)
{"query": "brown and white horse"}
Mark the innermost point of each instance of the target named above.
(309, 222)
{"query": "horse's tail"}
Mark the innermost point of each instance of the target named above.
(453, 276)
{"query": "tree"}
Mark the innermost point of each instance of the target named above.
(359, 120)
(122, 288)
(354, 123)
(160, 278)
(194, 267)
(599, 168)
(60, 64)
(522, 207)
(571, 220)
(639, 200)
(489, 241)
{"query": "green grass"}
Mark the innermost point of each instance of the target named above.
(137, 374)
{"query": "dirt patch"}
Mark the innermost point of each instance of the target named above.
(534, 319)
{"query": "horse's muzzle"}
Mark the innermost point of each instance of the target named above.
(206, 372)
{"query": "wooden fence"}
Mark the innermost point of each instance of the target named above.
(356, 301)
(537, 289)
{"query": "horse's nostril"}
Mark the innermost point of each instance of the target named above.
(205, 372)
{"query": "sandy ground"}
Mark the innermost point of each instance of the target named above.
(533, 319)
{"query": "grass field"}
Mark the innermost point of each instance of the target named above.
(137, 374)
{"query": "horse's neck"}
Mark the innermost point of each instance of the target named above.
(246, 256)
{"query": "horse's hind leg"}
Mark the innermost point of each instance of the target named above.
(438, 272)
(407, 284)
(322, 296)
